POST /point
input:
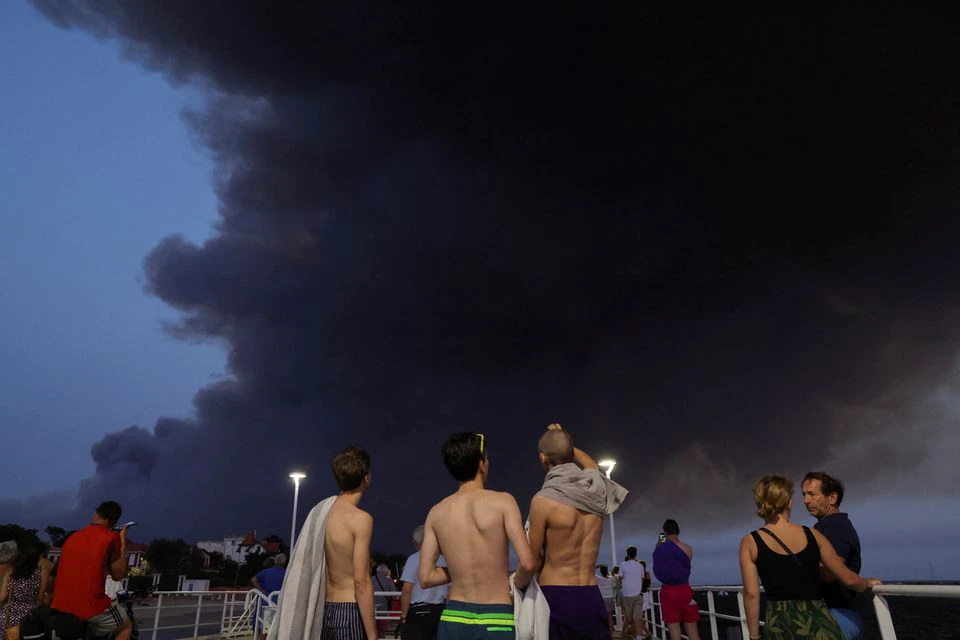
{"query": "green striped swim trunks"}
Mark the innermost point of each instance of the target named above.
(468, 621)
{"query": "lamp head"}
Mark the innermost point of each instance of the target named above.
(607, 465)
(298, 476)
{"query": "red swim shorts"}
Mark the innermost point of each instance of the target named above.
(677, 604)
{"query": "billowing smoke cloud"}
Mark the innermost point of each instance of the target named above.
(712, 244)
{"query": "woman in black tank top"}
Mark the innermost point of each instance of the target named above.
(786, 559)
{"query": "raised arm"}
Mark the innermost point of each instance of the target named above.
(584, 460)
(513, 526)
(535, 535)
(836, 566)
(429, 574)
(362, 586)
(579, 457)
(751, 585)
(118, 563)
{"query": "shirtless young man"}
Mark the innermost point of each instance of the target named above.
(348, 611)
(569, 540)
(472, 527)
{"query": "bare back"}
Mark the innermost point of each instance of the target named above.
(571, 542)
(470, 527)
(345, 524)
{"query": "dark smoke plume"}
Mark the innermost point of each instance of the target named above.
(709, 242)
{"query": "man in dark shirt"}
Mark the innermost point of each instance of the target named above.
(822, 495)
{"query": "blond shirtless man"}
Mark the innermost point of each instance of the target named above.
(566, 522)
(348, 610)
(472, 528)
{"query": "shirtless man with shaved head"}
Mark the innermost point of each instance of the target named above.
(566, 522)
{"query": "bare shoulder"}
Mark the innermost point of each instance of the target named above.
(687, 549)
(437, 512)
(539, 502)
(504, 499)
(359, 519)
(546, 508)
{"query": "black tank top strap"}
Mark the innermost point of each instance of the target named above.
(783, 546)
(812, 545)
(756, 538)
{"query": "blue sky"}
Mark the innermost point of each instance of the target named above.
(97, 167)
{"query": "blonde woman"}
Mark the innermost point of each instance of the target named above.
(786, 558)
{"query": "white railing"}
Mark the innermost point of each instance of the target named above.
(172, 613)
(225, 614)
(884, 619)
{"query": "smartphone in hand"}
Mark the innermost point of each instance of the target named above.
(125, 524)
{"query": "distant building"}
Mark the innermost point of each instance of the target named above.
(234, 547)
(135, 553)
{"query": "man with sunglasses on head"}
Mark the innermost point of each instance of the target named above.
(472, 528)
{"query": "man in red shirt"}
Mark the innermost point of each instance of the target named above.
(88, 556)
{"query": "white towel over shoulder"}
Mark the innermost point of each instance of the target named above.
(300, 612)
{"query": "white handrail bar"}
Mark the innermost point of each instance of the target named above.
(879, 593)
(924, 590)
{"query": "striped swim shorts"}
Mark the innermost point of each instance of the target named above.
(342, 621)
(468, 621)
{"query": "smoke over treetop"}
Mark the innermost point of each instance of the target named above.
(672, 232)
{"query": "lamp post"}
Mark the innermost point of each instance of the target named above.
(607, 465)
(297, 477)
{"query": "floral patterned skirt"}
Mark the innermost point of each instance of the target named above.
(796, 619)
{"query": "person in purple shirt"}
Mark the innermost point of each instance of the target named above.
(671, 565)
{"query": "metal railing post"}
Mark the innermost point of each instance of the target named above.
(884, 619)
(223, 615)
(156, 617)
(744, 629)
(712, 611)
(196, 620)
(257, 610)
(653, 611)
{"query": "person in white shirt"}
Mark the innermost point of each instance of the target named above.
(631, 580)
(647, 601)
(605, 584)
(420, 609)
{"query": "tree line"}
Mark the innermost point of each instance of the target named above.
(176, 557)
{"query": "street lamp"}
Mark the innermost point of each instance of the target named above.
(297, 477)
(607, 465)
